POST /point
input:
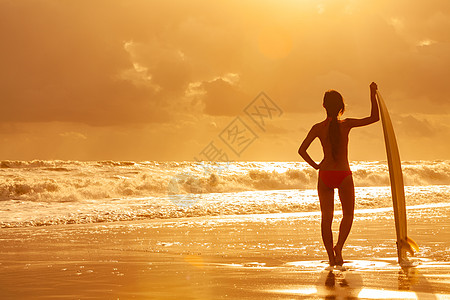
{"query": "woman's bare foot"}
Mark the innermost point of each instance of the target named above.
(338, 256)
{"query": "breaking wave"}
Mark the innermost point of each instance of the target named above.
(34, 193)
(67, 181)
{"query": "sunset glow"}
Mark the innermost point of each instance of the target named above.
(158, 80)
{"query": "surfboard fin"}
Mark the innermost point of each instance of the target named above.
(409, 245)
(412, 243)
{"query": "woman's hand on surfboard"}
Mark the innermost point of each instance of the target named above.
(373, 87)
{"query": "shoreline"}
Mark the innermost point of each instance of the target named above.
(234, 257)
(88, 218)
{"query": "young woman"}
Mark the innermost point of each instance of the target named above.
(334, 169)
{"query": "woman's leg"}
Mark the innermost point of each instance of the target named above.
(326, 198)
(347, 198)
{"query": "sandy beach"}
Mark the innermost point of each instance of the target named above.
(272, 256)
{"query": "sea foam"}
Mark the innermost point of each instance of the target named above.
(61, 192)
(63, 181)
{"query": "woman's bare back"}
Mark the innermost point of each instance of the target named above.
(340, 161)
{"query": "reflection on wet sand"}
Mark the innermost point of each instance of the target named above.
(348, 285)
(339, 285)
(409, 278)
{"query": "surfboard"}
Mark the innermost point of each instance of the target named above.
(404, 243)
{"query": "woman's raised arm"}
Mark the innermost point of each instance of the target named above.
(374, 112)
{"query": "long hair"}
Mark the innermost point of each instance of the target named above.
(334, 105)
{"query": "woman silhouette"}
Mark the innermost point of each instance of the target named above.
(334, 170)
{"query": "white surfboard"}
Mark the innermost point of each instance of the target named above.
(404, 243)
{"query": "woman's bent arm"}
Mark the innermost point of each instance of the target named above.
(305, 145)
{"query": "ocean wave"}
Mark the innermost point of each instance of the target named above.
(26, 213)
(68, 181)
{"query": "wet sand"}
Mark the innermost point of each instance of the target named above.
(275, 256)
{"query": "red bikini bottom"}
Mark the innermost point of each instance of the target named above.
(333, 178)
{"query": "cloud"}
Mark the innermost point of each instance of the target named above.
(223, 98)
(111, 63)
(161, 63)
(74, 135)
(412, 126)
(422, 126)
(58, 64)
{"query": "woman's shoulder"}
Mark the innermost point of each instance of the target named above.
(319, 127)
(351, 122)
(320, 124)
(347, 121)
(324, 122)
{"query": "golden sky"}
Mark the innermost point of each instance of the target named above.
(160, 80)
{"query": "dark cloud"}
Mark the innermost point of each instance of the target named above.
(412, 126)
(62, 62)
(415, 127)
(111, 62)
(222, 98)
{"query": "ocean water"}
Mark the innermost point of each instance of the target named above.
(36, 193)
